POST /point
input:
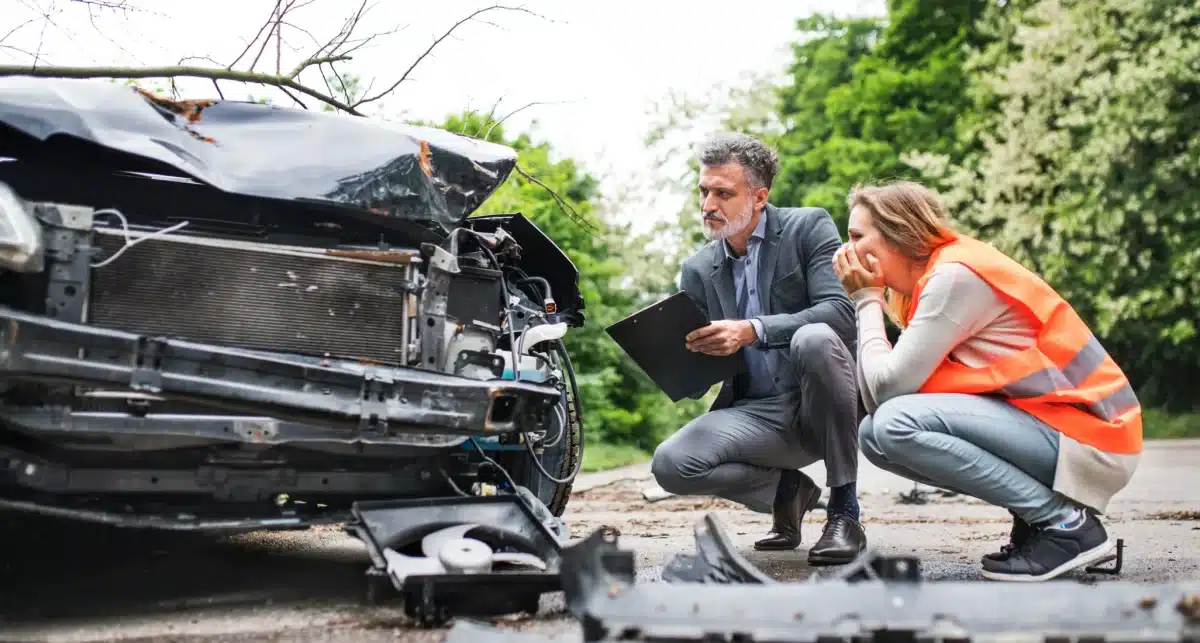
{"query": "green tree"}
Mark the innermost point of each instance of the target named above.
(1084, 163)
(864, 92)
(622, 406)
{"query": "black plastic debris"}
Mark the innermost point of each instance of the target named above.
(716, 560)
(458, 556)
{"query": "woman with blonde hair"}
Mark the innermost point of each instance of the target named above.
(996, 387)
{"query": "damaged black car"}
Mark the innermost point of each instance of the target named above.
(223, 314)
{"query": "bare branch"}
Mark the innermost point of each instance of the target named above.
(404, 76)
(317, 61)
(217, 87)
(267, 40)
(252, 41)
(562, 204)
(17, 28)
(204, 58)
(293, 97)
(515, 111)
(17, 49)
(119, 5)
(279, 40)
(176, 72)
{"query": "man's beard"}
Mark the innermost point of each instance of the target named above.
(731, 227)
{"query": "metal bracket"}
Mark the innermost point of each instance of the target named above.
(432, 313)
(376, 391)
(482, 360)
(1117, 560)
(68, 253)
(147, 364)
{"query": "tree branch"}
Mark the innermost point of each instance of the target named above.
(317, 61)
(252, 41)
(266, 41)
(404, 76)
(562, 204)
(104, 4)
(176, 72)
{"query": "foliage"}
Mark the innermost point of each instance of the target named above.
(605, 456)
(866, 91)
(621, 404)
(682, 122)
(1159, 425)
(1084, 162)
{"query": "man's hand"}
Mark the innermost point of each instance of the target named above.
(723, 337)
(852, 273)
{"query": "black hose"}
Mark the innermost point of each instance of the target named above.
(489, 459)
(549, 294)
(561, 349)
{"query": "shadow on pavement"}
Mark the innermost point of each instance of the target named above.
(54, 569)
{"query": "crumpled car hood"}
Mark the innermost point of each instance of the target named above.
(396, 170)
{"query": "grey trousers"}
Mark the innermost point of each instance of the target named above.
(979, 446)
(737, 452)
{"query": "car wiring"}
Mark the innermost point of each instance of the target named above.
(562, 350)
(129, 240)
(559, 348)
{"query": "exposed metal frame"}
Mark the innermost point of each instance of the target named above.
(382, 400)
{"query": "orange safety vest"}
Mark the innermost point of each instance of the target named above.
(1067, 379)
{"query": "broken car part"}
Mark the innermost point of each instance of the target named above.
(874, 598)
(210, 320)
(460, 556)
(716, 560)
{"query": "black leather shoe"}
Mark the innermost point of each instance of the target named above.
(795, 496)
(841, 541)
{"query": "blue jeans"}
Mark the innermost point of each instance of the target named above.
(980, 446)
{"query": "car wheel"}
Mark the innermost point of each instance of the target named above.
(559, 459)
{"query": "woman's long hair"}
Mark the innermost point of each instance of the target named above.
(909, 217)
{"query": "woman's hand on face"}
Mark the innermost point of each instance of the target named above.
(853, 274)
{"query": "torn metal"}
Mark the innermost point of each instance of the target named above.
(464, 556)
(246, 148)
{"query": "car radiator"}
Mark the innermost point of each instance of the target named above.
(249, 295)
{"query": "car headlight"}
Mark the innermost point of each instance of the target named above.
(20, 234)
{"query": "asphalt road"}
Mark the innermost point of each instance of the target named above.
(70, 582)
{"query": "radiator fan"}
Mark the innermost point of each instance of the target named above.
(462, 549)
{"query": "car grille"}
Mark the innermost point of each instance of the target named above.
(249, 295)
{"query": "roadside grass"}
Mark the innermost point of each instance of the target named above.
(1159, 425)
(602, 457)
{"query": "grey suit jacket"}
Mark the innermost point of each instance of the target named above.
(797, 286)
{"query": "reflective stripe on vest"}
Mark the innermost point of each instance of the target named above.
(1067, 380)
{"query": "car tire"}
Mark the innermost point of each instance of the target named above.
(559, 460)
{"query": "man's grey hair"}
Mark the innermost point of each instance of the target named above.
(759, 161)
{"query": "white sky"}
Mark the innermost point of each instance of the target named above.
(602, 63)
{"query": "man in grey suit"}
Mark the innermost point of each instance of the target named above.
(767, 285)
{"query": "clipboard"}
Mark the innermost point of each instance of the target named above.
(654, 338)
